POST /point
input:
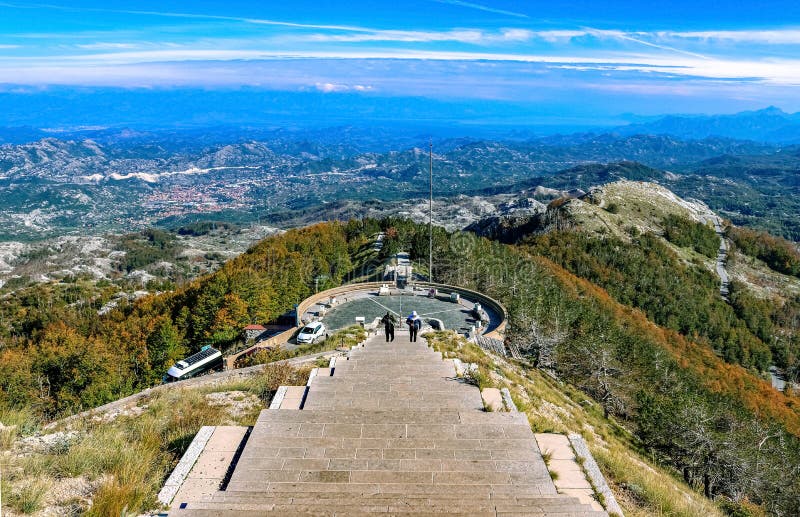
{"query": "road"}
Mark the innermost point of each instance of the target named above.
(722, 257)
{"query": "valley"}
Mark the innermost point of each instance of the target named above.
(54, 187)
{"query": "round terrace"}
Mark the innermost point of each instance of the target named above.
(450, 307)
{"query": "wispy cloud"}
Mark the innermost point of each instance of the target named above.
(490, 56)
(769, 37)
(469, 36)
(784, 71)
(614, 34)
(186, 16)
(484, 8)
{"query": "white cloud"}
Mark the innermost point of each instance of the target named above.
(336, 88)
(107, 46)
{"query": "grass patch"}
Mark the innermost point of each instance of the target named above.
(653, 489)
(29, 497)
(130, 457)
(17, 422)
(265, 384)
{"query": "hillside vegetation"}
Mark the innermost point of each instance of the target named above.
(700, 415)
(58, 355)
(647, 362)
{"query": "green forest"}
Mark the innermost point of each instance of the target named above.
(628, 323)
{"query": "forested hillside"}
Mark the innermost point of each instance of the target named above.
(722, 428)
(58, 355)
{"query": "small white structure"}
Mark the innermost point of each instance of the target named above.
(360, 320)
(384, 290)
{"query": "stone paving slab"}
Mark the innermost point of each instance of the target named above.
(293, 398)
(212, 464)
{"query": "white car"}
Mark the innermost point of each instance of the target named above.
(311, 332)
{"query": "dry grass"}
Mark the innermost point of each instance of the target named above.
(28, 496)
(131, 456)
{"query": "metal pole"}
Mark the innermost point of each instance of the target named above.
(430, 218)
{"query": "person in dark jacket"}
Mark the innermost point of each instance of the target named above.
(414, 323)
(388, 326)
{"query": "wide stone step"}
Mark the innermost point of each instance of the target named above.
(259, 440)
(389, 506)
(393, 396)
(257, 453)
(434, 465)
(260, 479)
(318, 512)
(444, 416)
(549, 501)
(350, 504)
(390, 431)
(442, 387)
(418, 502)
(389, 370)
(376, 403)
(531, 490)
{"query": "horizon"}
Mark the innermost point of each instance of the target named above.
(560, 63)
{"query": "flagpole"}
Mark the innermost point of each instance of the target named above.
(430, 217)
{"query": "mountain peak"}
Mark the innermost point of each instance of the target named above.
(771, 110)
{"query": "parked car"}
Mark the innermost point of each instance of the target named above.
(311, 332)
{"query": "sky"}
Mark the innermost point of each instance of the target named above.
(574, 60)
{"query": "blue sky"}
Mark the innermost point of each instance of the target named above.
(584, 58)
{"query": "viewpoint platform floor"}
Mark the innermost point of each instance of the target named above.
(391, 432)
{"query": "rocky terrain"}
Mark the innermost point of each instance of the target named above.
(103, 258)
(53, 187)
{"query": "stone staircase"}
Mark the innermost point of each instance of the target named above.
(391, 432)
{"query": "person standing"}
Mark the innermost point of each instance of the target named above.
(388, 326)
(414, 323)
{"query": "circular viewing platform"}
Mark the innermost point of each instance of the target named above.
(451, 307)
